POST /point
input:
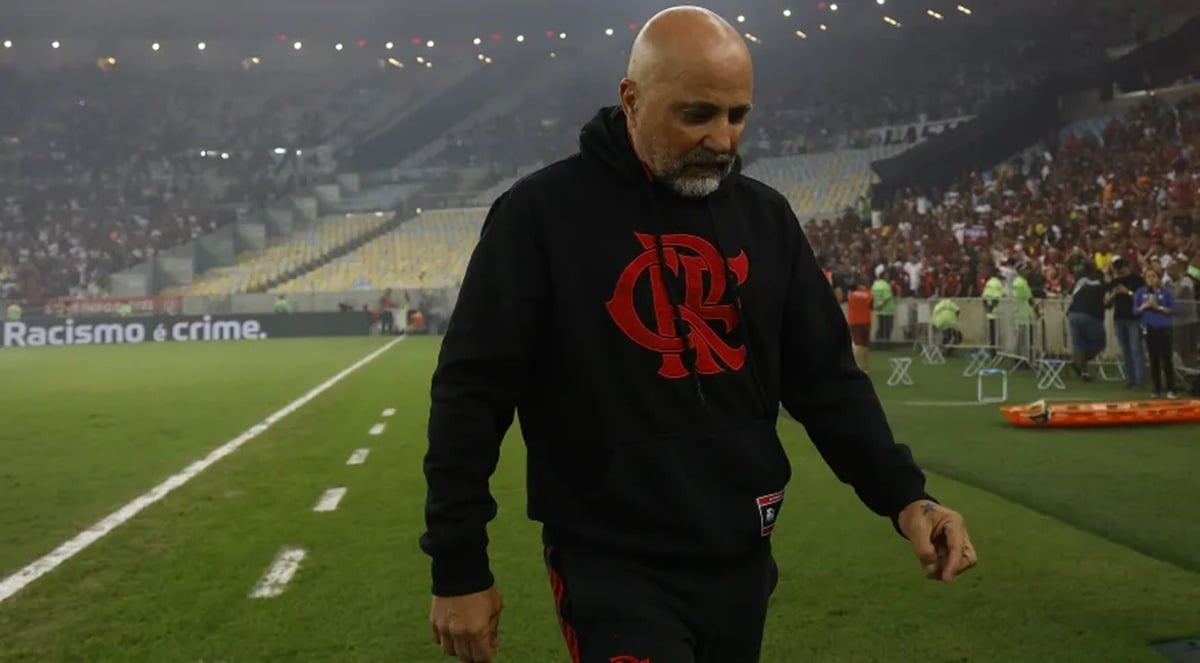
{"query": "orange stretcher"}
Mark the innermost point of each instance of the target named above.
(1123, 413)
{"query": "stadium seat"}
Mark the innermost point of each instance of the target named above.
(429, 251)
(255, 270)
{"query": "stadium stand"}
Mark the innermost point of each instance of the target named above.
(822, 184)
(1130, 189)
(429, 251)
(103, 170)
(260, 269)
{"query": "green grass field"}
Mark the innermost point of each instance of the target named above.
(1089, 540)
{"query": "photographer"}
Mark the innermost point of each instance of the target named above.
(1126, 325)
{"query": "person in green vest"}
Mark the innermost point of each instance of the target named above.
(282, 305)
(885, 308)
(944, 319)
(13, 313)
(1023, 311)
(125, 310)
(993, 292)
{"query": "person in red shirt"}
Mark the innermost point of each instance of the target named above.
(858, 316)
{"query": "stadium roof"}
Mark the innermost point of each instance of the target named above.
(352, 19)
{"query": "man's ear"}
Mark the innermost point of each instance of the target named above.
(629, 99)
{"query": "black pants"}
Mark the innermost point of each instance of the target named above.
(950, 338)
(619, 610)
(883, 333)
(1162, 365)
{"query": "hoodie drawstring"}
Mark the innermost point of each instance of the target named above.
(682, 328)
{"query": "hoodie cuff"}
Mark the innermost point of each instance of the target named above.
(461, 573)
(896, 512)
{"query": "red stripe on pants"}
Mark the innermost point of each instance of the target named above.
(559, 589)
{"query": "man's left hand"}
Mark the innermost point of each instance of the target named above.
(939, 536)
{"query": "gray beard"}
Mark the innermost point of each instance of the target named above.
(697, 186)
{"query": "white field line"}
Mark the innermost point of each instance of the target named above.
(1049, 401)
(279, 574)
(358, 457)
(377, 429)
(36, 569)
(330, 499)
(389, 412)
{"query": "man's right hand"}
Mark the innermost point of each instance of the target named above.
(467, 626)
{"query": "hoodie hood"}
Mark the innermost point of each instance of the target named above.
(605, 143)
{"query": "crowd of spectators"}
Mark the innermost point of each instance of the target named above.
(100, 169)
(818, 94)
(1132, 191)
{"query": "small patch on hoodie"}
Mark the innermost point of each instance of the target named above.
(768, 511)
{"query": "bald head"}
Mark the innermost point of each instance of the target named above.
(686, 95)
(679, 38)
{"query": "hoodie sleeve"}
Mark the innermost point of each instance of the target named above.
(483, 371)
(823, 388)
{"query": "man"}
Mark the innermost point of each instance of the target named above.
(944, 319)
(885, 309)
(1085, 318)
(1186, 311)
(993, 292)
(1024, 314)
(858, 316)
(645, 308)
(1126, 325)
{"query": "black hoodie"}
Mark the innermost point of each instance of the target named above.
(636, 445)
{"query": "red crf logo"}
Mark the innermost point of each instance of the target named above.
(628, 659)
(705, 275)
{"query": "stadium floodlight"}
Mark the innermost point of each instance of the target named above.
(428, 65)
(520, 38)
(801, 34)
(338, 47)
(880, 2)
(55, 44)
(553, 55)
(741, 19)
(787, 13)
(389, 45)
(824, 27)
(562, 35)
(420, 59)
(833, 7)
(297, 46)
(155, 46)
(256, 60)
(477, 41)
(934, 14)
(201, 46)
(225, 156)
(964, 10)
(429, 44)
(487, 60)
(7, 43)
(608, 32)
(891, 21)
